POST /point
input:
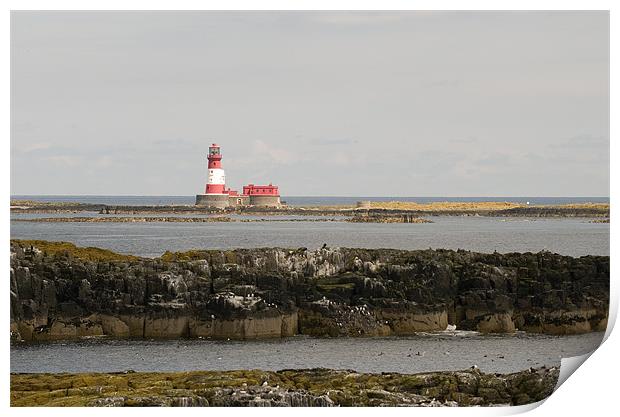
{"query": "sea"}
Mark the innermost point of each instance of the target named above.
(419, 353)
(574, 236)
(439, 351)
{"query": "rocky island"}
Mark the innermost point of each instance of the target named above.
(372, 209)
(60, 291)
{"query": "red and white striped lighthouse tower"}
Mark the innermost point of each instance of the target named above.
(216, 179)
(216, 195)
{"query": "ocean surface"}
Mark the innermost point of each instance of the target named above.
(567, 236)
(420, 353)
(298, 201)
(437, 351)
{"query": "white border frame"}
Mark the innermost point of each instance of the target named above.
(592, 390)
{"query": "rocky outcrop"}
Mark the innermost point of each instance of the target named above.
(288, 388)
(158, 219)
(403, 218)
(216, 219)
(179, 219)
(59, 291)
(392, 209)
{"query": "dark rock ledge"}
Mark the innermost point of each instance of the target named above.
(59, 291)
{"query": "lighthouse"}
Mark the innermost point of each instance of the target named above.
(215, 195)
(218, 196)
(216, 179)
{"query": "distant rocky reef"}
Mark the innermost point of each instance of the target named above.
(375, 218)
(134, 219)
(218, 219)
(287, 388)
(61, 291)
(393, 209)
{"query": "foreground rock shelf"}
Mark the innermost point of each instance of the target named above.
(60, 291)
(302, 388)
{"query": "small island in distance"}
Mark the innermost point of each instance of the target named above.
(363, 211)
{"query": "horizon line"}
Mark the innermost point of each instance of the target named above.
(335, 196)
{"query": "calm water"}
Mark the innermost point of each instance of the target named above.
(443, 351)
(297, 201)
(439, 351)
(575, 237)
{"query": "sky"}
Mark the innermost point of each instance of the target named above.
(318, 103)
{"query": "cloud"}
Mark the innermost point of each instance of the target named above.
(466, 140)
(359, 18)
(339, 159)
(65, 161)
(445, 83)
(31, 147)
(496, 159)
(275, 154)
(583, 141)
(333, 141)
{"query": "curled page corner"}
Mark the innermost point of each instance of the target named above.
(612, 314)
(569, 365)
(521, 409)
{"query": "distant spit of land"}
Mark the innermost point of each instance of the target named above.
(404, 211)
